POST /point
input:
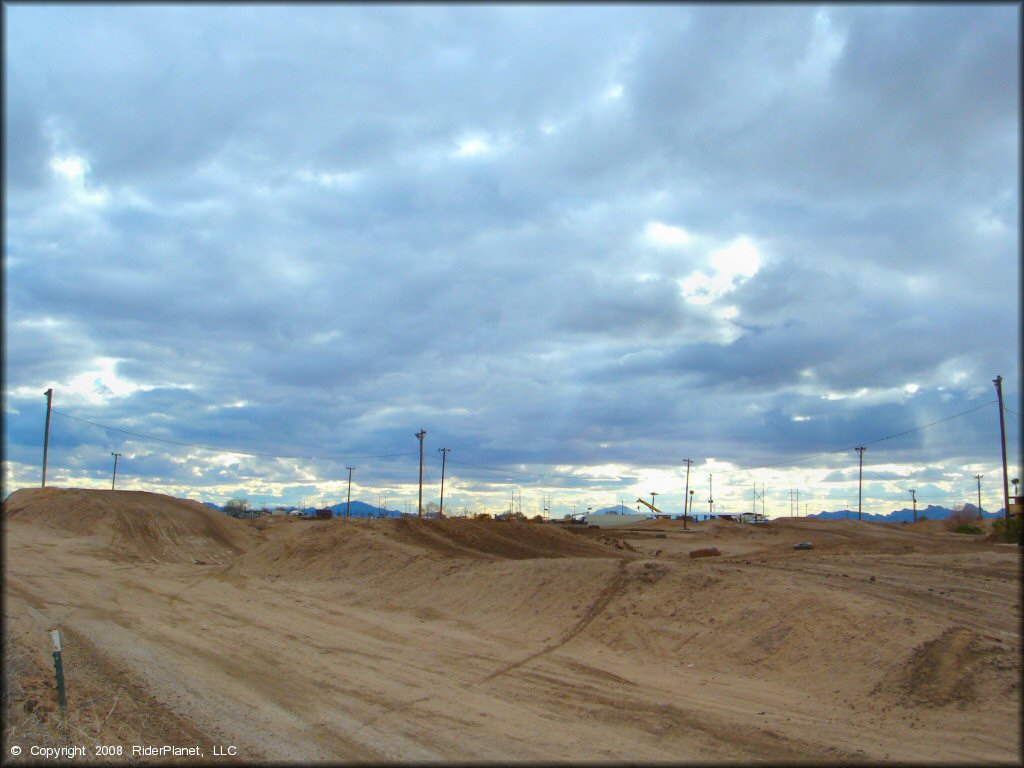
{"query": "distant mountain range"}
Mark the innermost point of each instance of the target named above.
(932, 512)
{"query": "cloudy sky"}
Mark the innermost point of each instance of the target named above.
(251, 246)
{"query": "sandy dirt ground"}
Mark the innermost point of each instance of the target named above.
(470, 641)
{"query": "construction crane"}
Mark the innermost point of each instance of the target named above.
(657, 512)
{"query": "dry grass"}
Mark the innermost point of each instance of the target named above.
(961, 517)
(32, 716)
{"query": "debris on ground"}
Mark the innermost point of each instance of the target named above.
(709, 552)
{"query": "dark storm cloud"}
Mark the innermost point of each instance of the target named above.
(313, 230)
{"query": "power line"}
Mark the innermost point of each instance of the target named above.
(229, 450)
(532, 474)
(871, 442)
(502, 470)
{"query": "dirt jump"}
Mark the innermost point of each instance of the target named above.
(404, 640)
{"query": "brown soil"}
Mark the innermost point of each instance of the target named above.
(463, 640)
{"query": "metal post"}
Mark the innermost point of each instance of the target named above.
(46, 434)
(421, 434)
(711, 496)
(348, 504)
(114, 478)
(58, 665)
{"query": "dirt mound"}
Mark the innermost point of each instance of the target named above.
(493, 540)
(945, 670)
(328, 548)
(133, 525)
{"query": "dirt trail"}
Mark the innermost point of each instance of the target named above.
(455, 640)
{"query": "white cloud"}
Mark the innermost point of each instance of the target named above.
(666, 235)
(636, 236)
(73, 170)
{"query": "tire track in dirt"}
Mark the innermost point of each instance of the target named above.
(601, 602)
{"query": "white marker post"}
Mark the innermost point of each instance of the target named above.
(62, 697)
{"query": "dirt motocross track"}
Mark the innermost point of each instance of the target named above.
(459, 640)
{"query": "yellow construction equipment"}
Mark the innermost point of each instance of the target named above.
(657, 512)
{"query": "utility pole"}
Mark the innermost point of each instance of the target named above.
(686, 493)
(978, 478)
(46, 434)
(421, 434)
(998, 381)
(348, 504)
(114, 478)
(798, 502)
(444, 457)
(790, 502)
(711, 503)
(913, 496)
(860, 480)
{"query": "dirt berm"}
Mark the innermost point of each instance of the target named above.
(134, 526)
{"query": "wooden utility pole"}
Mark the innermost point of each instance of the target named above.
(914, 497)
(978, 478)
(114, 478)
(444, 458)
(998, 381)
(421, 434)
(348, 504)
(711, 496)
(686, 494)
(46, 434)
(860, 479)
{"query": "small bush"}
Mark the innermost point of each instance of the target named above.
(1006, 530)
(972, 529)
(961, 518)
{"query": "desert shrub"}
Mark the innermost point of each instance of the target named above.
(236, 506)
(922, 518)
(972, 529)
(1006, 530)
(960, 518)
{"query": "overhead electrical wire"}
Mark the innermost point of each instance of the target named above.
(528, 474)
(502, 470)
(871, 442)
(228, 450)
